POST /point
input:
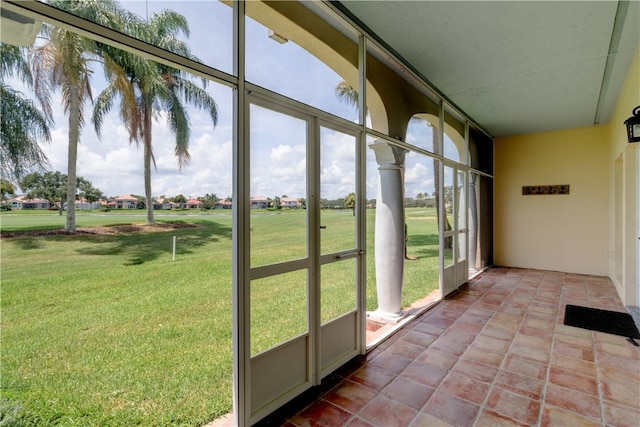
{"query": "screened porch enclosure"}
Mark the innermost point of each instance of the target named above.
(360, 196)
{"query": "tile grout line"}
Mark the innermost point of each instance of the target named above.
(596, 366)
(595, 363)
(543, 397)
(522, 322)
(536, 295)
(426, 315)
(501, 367)
(480, 406)
(484, 401)
(435, 389)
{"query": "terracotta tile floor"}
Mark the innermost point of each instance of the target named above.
(494, 354)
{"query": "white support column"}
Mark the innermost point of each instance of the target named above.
(389, 237)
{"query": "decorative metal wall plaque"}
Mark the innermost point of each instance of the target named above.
(530, 190)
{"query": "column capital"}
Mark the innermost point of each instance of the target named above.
(388, 153)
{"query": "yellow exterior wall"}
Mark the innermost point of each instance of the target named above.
(566, 233)
(628, 99)
(594, 230)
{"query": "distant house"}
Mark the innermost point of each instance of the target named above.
(21, 202)
(259, 202)
(193, 204)
(288, 202)
(83, 204)
(124, 202)
(224, 204)
(162, 203)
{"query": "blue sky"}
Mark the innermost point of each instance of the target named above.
(115, 166)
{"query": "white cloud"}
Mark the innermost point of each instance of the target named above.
(278, 142)
(281, 153)
(419, 177)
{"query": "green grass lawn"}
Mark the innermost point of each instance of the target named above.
(108, 330)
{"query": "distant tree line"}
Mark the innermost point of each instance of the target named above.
(64, 61)
(52, 187)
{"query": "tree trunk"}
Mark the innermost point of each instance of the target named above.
(147, 162)
(448, 241)
(72, 157)
(473, 222)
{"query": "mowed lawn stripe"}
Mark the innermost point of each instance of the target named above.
(108, 330)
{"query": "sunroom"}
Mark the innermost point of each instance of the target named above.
(426, 143)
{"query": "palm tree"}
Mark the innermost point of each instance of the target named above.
(22, 124)
(64, 61)
(151, 88)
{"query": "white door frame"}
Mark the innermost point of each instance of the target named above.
(293, 366)
(637, 226)
(457, 274)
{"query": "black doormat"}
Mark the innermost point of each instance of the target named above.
(611, 322)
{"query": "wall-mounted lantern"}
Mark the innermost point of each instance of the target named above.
(633, 126)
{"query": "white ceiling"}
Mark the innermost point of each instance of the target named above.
(514, 67)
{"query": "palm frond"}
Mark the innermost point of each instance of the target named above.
(22, 128)
(180, 125)
(347, 93)
(13, 61)
(101, 107)
(198, 97)
(168, 24)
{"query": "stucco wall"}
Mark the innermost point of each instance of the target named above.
(554, 232)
